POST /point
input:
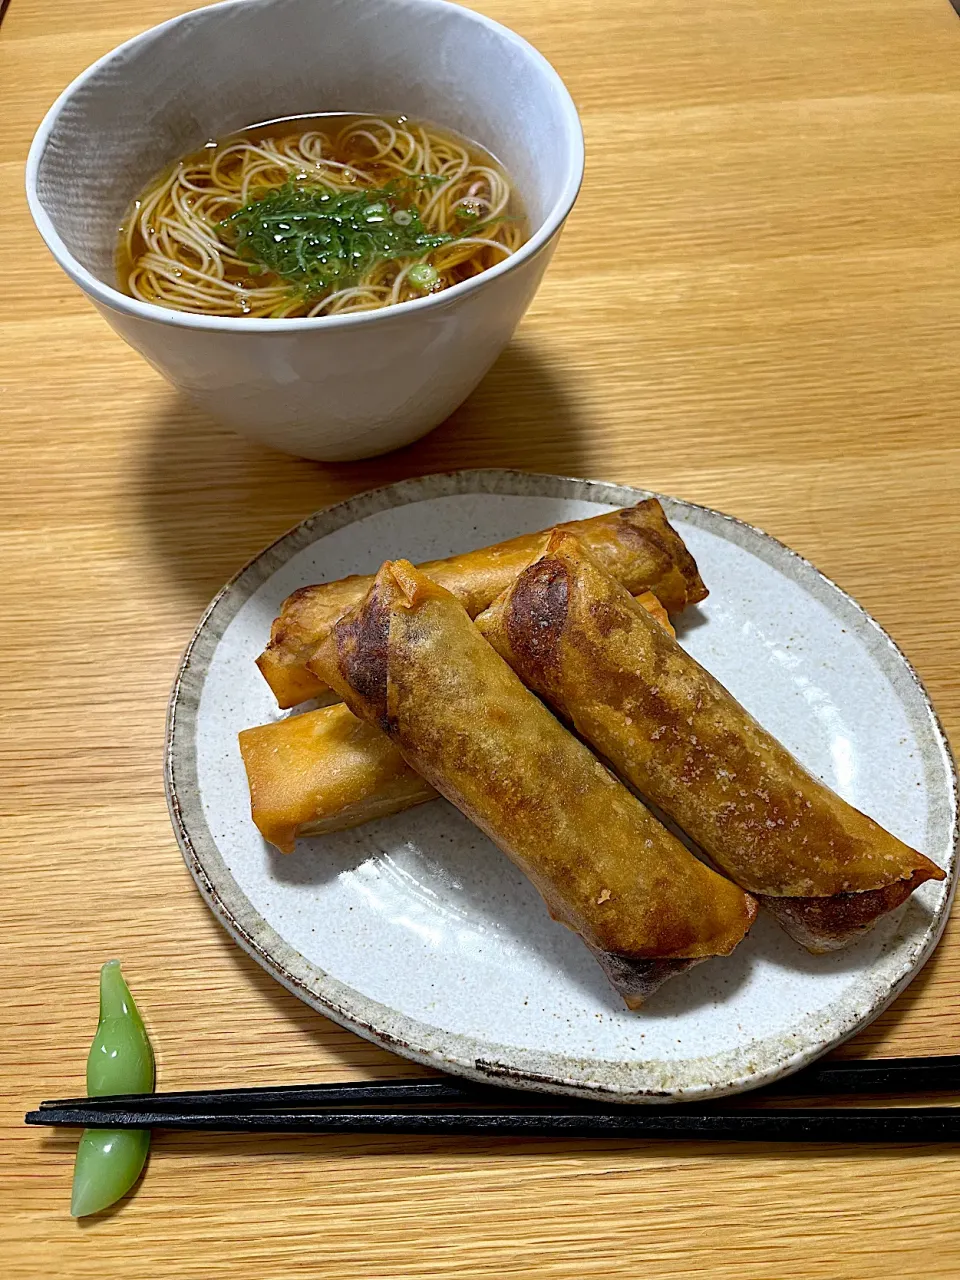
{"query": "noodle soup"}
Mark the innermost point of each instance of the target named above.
(318, 216)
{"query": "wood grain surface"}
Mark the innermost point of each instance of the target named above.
(756, 306)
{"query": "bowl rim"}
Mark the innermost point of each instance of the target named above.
(110, 297)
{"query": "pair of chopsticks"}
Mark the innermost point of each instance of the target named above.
(448, 1106)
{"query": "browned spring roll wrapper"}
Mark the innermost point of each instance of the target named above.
(410, 661)
(326, 770)
(825, 870)
(636, 544)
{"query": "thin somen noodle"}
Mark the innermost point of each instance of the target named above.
(319, 217)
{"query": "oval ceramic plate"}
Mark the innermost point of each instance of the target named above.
(418, 933)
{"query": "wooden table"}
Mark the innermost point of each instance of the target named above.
(756, 306)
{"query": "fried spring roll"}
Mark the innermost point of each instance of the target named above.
(825, 870)
(326, 770)
(637, 545)
(410, 661)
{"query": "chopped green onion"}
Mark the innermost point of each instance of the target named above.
(319, 239)
(423, 276)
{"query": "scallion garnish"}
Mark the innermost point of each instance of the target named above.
(319, 238)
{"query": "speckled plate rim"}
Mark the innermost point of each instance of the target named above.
(748, 1066)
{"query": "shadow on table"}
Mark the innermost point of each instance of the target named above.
(415, 1148)
(210, 500)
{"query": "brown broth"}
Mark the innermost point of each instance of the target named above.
(358, 153)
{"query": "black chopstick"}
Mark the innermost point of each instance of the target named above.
(878, 1075)
(334, 1094)
(924, 1124)
(874, 1075)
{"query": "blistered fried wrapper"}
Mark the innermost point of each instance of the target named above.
(825, 870)
(636, 544)
(325, 770)
(410, 661)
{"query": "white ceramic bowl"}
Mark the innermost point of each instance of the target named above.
(334, 387)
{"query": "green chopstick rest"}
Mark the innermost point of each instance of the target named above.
(109, 1161)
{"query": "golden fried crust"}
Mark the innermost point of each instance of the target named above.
(636, 544)
(465, 722)
(656, 610)
(326, 770)
(673, 732)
